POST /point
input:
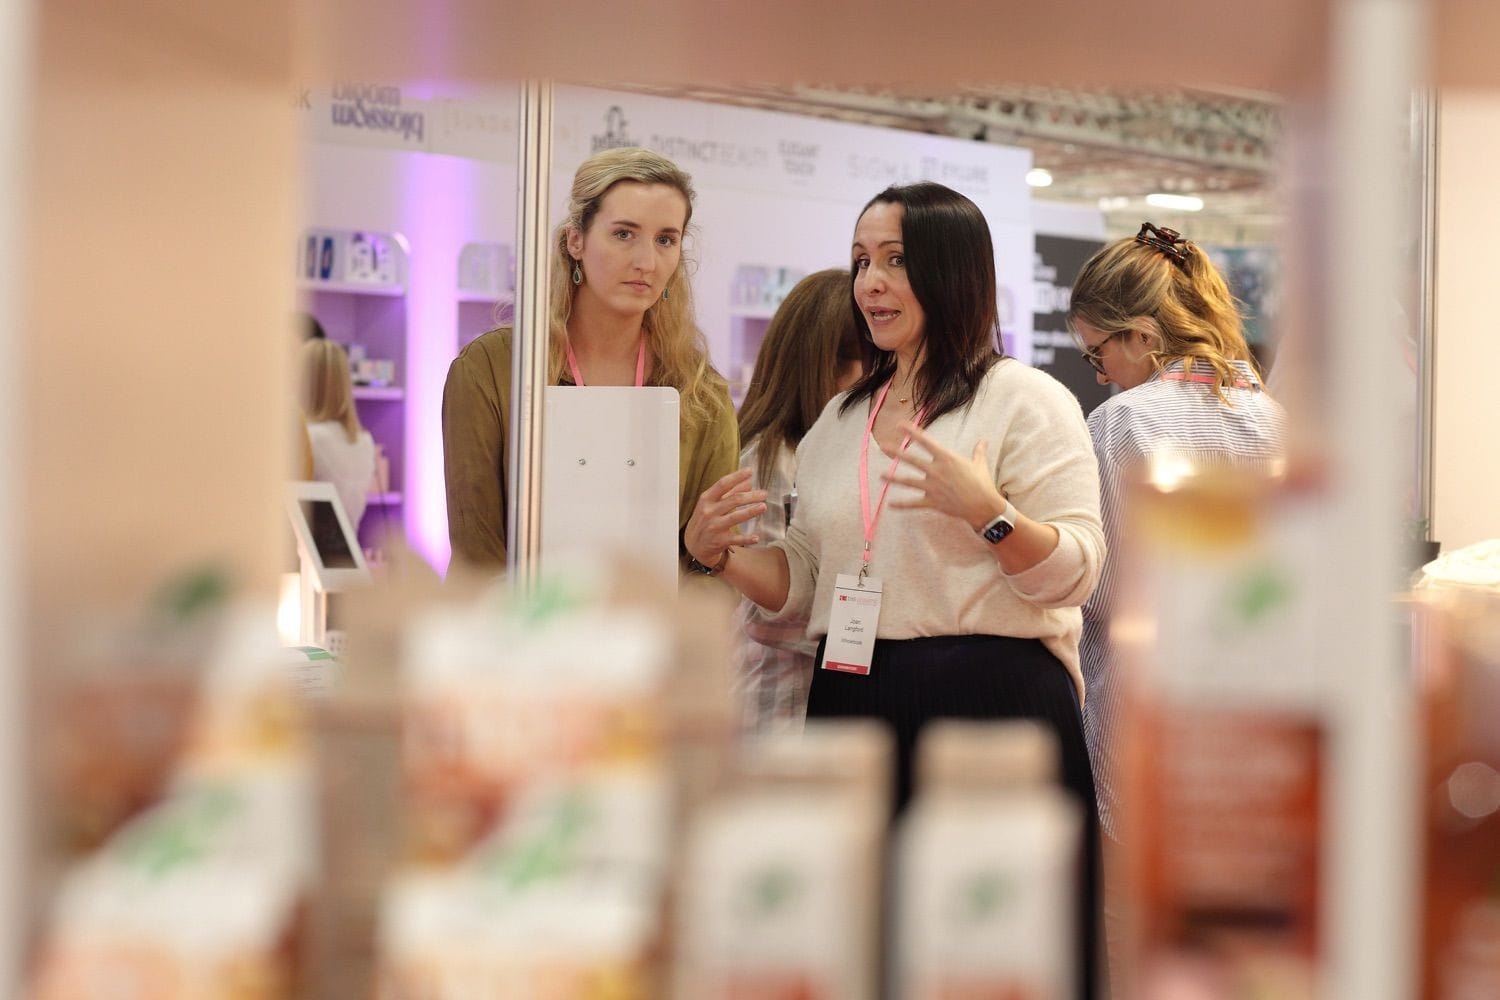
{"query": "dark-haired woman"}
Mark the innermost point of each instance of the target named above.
(812, 350)
(970, 576)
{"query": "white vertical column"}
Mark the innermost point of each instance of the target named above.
(1424, 140)
(15, 76)
(529, 356)
(1370, 927)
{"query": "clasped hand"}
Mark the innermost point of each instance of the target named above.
(721, 509)
(948, 482)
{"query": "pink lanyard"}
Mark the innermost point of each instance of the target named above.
(640, 364)
(1238, 383)
(871, 520)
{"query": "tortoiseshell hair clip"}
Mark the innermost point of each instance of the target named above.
(1168, 241)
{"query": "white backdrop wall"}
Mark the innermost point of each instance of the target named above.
(784, 190)
(1466, 414)
(775, 191)
(1058, 219)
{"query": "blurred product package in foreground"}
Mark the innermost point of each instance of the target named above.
(987, 866)
(203, 894)
(1222, 749)
(1457, 651)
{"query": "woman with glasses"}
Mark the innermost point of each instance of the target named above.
(957, 594)
(1154, 317)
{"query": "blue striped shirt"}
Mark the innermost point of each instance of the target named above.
(1186, 417)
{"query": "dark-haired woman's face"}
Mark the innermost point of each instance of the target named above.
(881, 286)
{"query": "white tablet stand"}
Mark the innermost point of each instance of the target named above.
(609, 478)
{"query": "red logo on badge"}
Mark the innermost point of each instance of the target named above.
(843, 597)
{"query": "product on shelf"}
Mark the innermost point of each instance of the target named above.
(1224, 731)
(202, 896)
(777, 899)
(494, 704)
(987, 861)
(780, 893)
(1458, 654)
(119, 703)
(563, 900)
(550, 747)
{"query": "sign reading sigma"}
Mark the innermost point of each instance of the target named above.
(376, 108)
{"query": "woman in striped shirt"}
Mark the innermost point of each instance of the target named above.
(1153, 316)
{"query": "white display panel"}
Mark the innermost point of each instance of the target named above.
(610, 477)
(326, 540)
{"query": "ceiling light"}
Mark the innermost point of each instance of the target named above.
(1038, 177)
(1176, 202)
(1114, 204)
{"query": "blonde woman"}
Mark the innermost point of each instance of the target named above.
(343, 452)
(1153, 316)
(621, 313)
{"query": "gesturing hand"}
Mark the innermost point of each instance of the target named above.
(947, 481)
(720, 510)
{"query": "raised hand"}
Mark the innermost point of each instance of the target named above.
(946, 481)
(721, 509)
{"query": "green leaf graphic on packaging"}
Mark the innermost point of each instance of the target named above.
(981, 896)
(181, 833)
(768, 891)
(548, 854)
(549, 599)
(1251, 599)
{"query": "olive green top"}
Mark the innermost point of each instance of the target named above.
(476, 408)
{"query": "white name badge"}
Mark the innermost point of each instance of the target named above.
(852, 622)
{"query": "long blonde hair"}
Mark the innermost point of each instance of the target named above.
(1177, 295)
(326, 390)
(677, 345)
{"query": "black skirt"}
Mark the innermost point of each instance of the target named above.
(984, 677)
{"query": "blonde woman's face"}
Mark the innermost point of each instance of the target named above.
(1122, 359)
(631, 248)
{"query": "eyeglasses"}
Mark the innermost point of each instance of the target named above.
(1095, 355)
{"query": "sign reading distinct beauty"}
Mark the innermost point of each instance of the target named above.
(1058, 260)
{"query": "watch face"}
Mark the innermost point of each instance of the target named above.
(997, 531)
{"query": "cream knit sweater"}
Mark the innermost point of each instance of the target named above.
(939, 576)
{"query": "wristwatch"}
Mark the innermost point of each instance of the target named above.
(996, 531)
(698, 567)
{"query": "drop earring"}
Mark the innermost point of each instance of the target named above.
(666, 293)
(577, 274)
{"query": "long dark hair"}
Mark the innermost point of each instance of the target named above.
(811, 340)
(950, 262)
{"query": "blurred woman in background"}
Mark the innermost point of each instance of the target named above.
(812, 350)
(343, 452)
